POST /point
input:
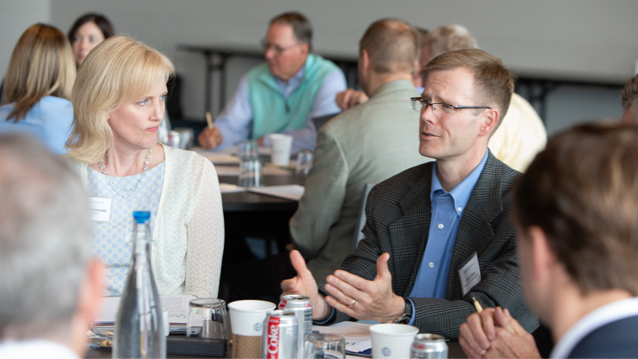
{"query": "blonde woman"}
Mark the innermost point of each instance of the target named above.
(118, 103)
(38, 87)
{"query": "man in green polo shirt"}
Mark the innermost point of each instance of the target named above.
(283, 94)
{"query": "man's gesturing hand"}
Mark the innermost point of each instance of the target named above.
(304, 283)
(364, 299)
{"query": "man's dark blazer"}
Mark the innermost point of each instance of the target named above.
(398, 214)
(614, 340)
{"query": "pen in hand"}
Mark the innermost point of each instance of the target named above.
(209, 119)
(477, 305)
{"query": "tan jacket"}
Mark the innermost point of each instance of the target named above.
(521, 135)
(367, 144)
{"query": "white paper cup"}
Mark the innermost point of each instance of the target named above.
(392, 340)
(281, 145)
(247, 316)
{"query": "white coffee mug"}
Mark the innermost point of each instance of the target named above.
(247, 316)
(392, 340)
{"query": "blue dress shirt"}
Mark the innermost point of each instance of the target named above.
(235, 121)
(447, 209)
(49, 121)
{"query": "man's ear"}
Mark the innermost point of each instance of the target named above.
(365, 60)
(491, 117)
(544, 258)
(305, 48)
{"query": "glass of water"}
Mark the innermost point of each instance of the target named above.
(207, 319)
(325, 346)
(250, 173)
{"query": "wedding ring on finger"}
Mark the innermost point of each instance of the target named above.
(353, 303)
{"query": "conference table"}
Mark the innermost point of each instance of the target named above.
(454, 351)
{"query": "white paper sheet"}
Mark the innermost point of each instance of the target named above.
(216, 157)
(357, 334)
(177, 306)
(292, 192)
(230, 188)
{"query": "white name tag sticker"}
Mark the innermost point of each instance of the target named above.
(470, 274)
(100, 209)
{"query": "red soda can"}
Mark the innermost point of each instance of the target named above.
(428, 346)
(280, 335)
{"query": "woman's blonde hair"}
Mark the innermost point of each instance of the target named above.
(42, 64)
(117, 71)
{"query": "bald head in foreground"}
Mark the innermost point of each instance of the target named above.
(50, 288)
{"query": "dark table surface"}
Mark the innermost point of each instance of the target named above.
(248, 201)
(454, 351)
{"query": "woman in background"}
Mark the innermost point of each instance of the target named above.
(38, 87)
(118, 103)
(87, 32)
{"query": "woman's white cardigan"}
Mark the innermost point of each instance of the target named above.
(188, 232)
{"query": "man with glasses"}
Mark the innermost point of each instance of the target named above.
(437, 235)
(282, 95)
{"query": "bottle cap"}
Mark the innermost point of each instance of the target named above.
(141, 216)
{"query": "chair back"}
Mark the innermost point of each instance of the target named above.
(361, 218)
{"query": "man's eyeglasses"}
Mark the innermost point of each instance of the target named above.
(278, 49)
(419, 104)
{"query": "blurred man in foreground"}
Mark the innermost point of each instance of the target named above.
(437, 234)
(50, 288)
(522, 134)
(576, 211)
(283, 94)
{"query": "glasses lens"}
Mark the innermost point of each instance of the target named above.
(447, 108)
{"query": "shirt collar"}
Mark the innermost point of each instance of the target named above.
(295, 80)
(462, 192)
(600, 317)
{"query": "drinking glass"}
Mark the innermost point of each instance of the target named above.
(207, 318)
(304, 162)
(325, 346)
(248, 149)
(250, 173)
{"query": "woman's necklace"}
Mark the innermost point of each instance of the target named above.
(123, 192)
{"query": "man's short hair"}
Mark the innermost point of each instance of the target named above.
(449, 38)
(629, 95)
(581, 191)
(301, 27)
(45, 240)
(493, 83)
(392, 45)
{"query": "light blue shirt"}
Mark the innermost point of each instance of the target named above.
(49, 121)
(447, 210)
(235, 121)
(112, 239)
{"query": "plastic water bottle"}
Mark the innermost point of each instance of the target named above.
(138, 326)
